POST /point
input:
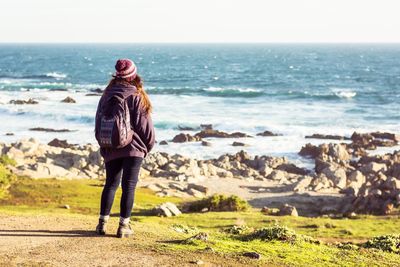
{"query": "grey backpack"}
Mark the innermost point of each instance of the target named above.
(113, 125)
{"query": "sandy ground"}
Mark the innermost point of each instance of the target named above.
(61, 240)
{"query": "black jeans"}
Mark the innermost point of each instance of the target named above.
(128, 168)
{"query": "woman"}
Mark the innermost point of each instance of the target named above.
(123, 163)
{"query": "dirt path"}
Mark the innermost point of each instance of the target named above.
(62, 240)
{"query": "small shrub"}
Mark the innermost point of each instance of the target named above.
(5, 180)
(280, 233)
(5, 160)
(218, 203)
(347, 246)
(237, 229)
(389, 243)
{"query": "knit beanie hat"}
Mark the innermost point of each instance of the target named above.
(125, 68)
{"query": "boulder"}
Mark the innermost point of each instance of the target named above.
(163, 143)
(291, 168)
(278, 175)
(338, 151)
(198, 187)
(206, 143)
(30, 101)
(195, 193)
(167, 209)
(395, 170)
(50, 130)
(385, 135)
(288, 210)
(327, 136)
(60, 143)
(219, 134)
(239, 144)
(267, 133)
(303, 184)
(373, 167)
(182, 138)
(337, 175)
(356, 178)
(206, 126)
(68, 100)
(310, 150)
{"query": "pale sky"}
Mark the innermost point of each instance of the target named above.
(199, 21)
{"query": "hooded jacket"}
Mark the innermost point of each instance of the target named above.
(144, 136)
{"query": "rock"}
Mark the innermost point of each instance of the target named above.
(30, 101)
(337, 175)
(288, 210)
(373, 167)
(97, 90)
(185, 128)
(310, 150)
(392, 184)
(167, 209)
(303, 184)
(198, 262)
(60, 143)
(195, 193)
(9, 134)
(389, 136)
(40, 129)
(277, 175)
(330, 137)
(291, 168)
(252, 255)
(163, 143)
(182, 138)
(218, 134)
(239, 144)
(66, 207)
(395, 170)
(267, 133)
(206, 143)
(93, 94)
(68, 100)
(198, 187)
(270, 211)
(338, 151)
(357, 178)
(322, 183)
(206, 126)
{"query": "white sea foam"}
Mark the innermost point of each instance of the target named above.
(56, 75)
(344, 92)
(242, 90)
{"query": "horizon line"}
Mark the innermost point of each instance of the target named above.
(201, 43)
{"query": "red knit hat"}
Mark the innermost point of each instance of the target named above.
(125, 68)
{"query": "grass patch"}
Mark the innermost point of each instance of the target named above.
(218, 232)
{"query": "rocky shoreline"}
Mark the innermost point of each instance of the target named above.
(362, 182)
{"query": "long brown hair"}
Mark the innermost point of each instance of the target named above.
(145, 103)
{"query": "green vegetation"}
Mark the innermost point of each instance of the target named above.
(218, 203)
(390, 243)
(5, 176)
(281, 241)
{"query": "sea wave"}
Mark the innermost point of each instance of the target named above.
(343, 92)
(210, 91)
(56, 75)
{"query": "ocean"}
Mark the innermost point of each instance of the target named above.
(289, 89)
